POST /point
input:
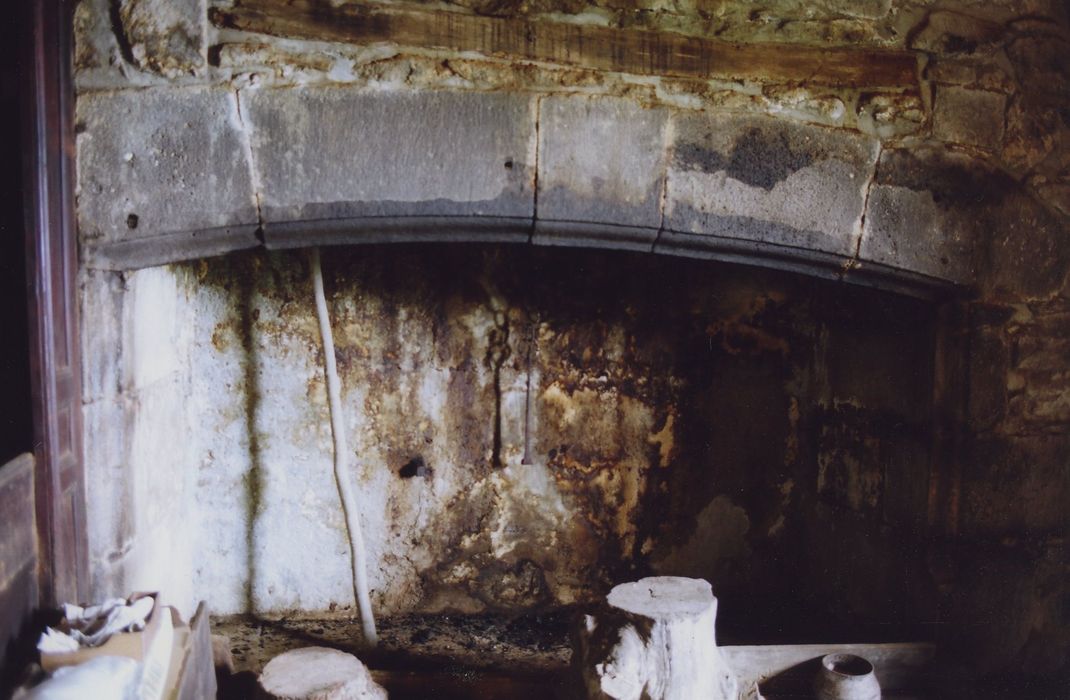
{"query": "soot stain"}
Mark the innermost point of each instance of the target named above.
(758, 158)
(416, 467)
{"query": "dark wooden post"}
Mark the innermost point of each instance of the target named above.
(52, 259)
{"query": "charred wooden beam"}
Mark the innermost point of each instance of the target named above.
(602, 48)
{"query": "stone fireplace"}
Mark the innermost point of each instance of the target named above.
(530, 425)
(791, 320)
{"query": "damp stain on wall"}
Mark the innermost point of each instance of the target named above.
(676, 415)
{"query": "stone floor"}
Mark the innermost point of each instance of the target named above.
(420, 656)
(527, 644)
(446, 657)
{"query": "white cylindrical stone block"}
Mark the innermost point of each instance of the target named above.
(318, 673)
(656, 640)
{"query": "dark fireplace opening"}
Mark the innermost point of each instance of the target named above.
(531, 426)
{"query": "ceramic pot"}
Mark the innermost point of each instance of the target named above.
(846, 677)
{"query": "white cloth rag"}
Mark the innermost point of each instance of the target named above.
(102, 678)
(92, 626)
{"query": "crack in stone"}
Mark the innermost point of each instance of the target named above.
(668, 149)
(535, 176)
(855, 260)
(254, 172)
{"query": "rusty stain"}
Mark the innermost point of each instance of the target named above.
(220, 337)
(736, 337)
(791, 447)
(643, 396)
(664, 440)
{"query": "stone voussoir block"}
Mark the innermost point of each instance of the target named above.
(925, 212)
(969, 117)
(161, 162)
(601, 172)
(766, 181)
(391, 166)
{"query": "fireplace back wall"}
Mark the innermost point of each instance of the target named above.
(685, 417)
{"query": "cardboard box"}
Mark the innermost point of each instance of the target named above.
(156, 666)
(134, 645)
(180, 653)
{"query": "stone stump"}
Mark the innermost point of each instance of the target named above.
(318, 673)
(655, 640)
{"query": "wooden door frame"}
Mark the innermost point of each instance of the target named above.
(52, 269)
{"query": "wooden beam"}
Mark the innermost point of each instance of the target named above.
(602, 48)
(51, 265)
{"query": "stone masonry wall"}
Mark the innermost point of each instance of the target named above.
(206, 127)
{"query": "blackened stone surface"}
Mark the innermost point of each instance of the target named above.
(1029, 249)
(600, 161)
(336, 154)
(1042, 65)
(983, 73)
(971, 117)
(705, 246)
(1009, 610)
(988, 379)
(156, 161)
(1016, 485)
(899, 590)
(1037, 138)
(760, 179)
(954, 33)
(925, 212)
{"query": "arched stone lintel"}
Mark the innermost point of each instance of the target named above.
(173, 174)
(183, 246)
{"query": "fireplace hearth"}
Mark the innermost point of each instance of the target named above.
(529, 427)
(772, 297)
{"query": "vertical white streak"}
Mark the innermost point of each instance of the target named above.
(247, 149)
(345, 489)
